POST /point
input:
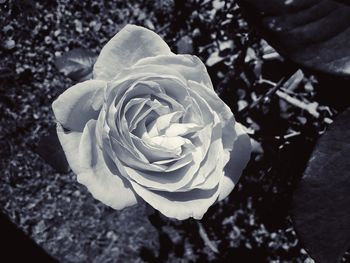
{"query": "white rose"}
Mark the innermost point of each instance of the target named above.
(149, 125)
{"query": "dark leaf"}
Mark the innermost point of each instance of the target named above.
(347, 2)
(77, 64)
(50, 149)
(321, 205)
(313, 33)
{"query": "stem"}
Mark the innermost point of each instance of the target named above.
(255, 103)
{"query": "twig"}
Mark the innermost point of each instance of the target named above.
(310, 108)
(255, 103)
(293, 82)
(291, 135)
(289, 86)
(204, 48)
(269, 82)
(205, 238)
(205, 3)
(160, 30)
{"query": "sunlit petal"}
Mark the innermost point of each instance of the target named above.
(239, 157)
(128, 46)
(99, 174)
(79, 104)
(180, 206)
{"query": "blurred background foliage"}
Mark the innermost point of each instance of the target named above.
(252, 225)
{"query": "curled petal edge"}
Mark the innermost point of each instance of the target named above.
(239, 157)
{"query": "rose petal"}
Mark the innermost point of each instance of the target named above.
(79, 104)
(193, 114)
(99, 175)
(70, 144)
(179, 205)
(167, 81)
(131, 76)
(206, 178)
(224, 112)
(132, 108)
(156, 127)
(239, 158)
(172, 104)
(168, 143)
(123, 157)
(202, 139)
(191, 67)
(138, 155)
(157, 148)
(119, 128)
(181, 129)
(128, 46)
(170, 181)
(205, 108)
(153, 108)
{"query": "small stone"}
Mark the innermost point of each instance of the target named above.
(78, 26)
(9, 44)
(8, 29)
(96, 26)
(196, 33)
(242, 104)
(214, 58)
(185, 45)
(39, 228)
(309, 87)
(95, 8)
(48, 40)
(111, 235)
(250, 55)
(194, 14)
(57, 32)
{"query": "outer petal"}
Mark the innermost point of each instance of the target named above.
(79, 104)
(224, 112)
(239, 158)
(70, 144)
(99, 175)
(128, 46)
(190, 67)
(179, 205)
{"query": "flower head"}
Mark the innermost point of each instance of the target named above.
(150, 126)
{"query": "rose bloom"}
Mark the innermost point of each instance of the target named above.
(149, 126)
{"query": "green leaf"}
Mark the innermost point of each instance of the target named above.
(77, 64)
(321, 204)
(313, 33)
(49, 148)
